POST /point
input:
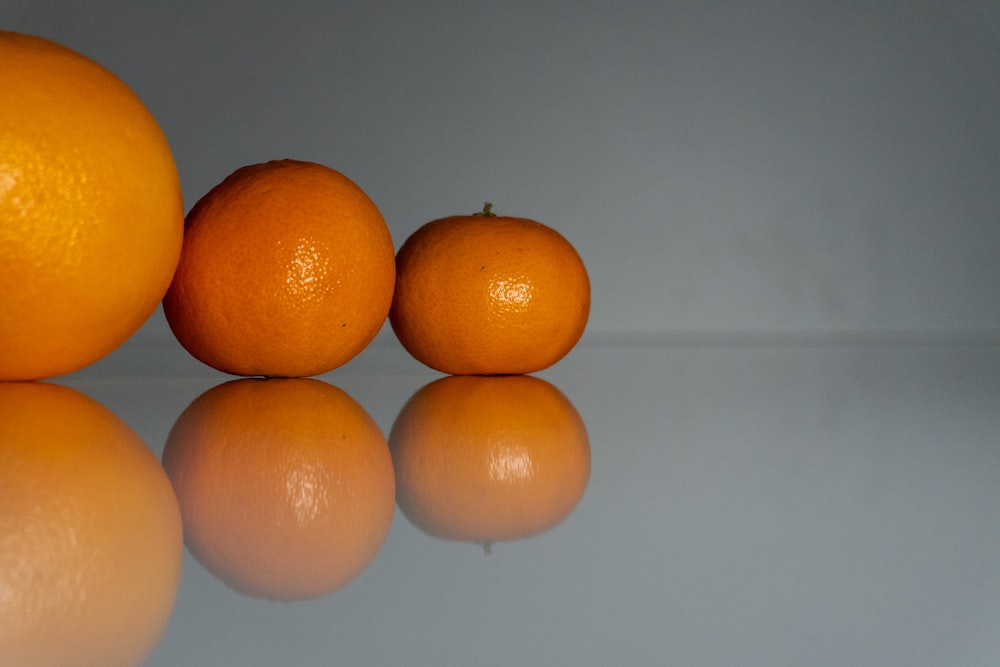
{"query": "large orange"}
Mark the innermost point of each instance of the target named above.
(90, 533)
(287, 270)
(488, 459)
(285, 485)
(485, 294)
(91, 213)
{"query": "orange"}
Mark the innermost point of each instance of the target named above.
(487, 459)
(485, 294)
(90, 533)
(287, 270)
(91, 213)
(285, 485)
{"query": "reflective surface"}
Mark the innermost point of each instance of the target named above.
(751, 500)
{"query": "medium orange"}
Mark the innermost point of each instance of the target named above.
(287, 270)
(485, 294)
(90, 533)
(285, 485)
(488, 459)
(91, 213)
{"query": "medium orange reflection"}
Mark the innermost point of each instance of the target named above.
(489, 459)
(90, 533)
(285, 485)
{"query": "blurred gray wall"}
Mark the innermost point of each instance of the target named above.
(719, 165)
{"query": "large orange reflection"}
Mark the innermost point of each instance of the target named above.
(90, 533)
(489, 459)
(286, 486)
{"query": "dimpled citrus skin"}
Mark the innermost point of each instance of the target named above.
(287, 271)
(91, 212)
(482, 295)
(90, 533)
(487, 459)
(285, 485)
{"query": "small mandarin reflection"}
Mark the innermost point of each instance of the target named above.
(487, 459)
(91, 553)
(285, 485)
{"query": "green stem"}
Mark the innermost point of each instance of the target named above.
(487, 211)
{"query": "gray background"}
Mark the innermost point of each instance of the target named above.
(775, 166)
(721, 167)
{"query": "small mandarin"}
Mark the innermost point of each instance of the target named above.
(91, 212)
(287, 270)
(90, 533)
(489, 295)
(488, 459)
(285, 485)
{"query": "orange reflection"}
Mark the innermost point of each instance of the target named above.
(90, 533)
(285, 485)
(489, 459)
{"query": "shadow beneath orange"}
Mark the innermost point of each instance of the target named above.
(90, 533)
(489, 459)
(285, 485)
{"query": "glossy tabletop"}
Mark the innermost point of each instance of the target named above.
(752, 500)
